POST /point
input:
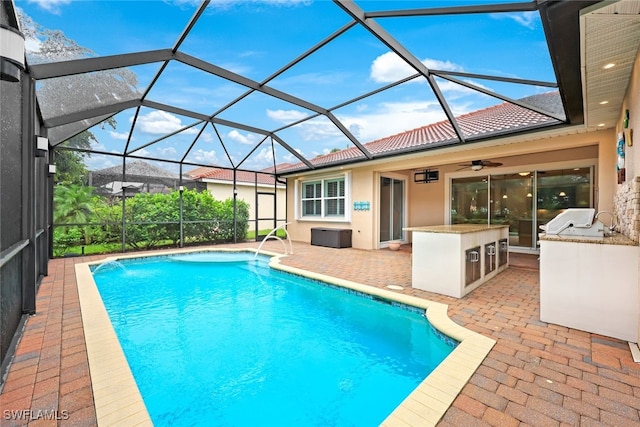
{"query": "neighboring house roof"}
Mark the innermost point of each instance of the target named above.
(137, 168)
(496, 120)
(138, 175)
(114, 188)
(264, 177)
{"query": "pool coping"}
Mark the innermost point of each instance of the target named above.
(118, 400)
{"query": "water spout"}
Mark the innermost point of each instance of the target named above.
(112, 263)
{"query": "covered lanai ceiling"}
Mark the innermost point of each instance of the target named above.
(322, 76)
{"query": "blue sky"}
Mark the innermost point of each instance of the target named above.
(257, 38)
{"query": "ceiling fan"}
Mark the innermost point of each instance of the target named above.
(476, 165)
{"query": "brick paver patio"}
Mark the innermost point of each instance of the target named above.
(537, 374)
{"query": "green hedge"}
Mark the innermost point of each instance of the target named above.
(152, 220)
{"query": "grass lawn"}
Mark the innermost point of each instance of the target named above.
(105, 248)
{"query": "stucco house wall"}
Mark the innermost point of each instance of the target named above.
(427, 203)
(247, 192)
(627, 193)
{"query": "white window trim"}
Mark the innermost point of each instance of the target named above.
(323, 178)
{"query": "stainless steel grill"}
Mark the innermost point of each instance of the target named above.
(575, 222)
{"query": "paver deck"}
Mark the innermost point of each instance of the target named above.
(537, 374)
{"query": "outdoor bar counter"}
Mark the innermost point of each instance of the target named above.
(455, 259)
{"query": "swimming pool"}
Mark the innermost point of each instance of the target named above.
(224, 339)
(117, 397)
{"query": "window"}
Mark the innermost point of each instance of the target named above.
(324, 198)
(334, 197)
(312, 198)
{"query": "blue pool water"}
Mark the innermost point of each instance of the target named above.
(240, 344)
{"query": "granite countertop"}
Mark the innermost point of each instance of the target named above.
(616, 239)
(455, 228)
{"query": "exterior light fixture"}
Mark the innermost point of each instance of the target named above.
(600, 125)
(52, 169)
(562, 194)
(181, 188)
(524, 173)
(604, 102)
(11, 54)
(505, 196)
(42, 146)
(529, 195)
(609, 65)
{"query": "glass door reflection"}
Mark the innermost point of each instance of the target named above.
(522, 200)
(512, 204)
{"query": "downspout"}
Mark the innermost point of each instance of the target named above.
(235, 213)
(124, 197)
(181, 189)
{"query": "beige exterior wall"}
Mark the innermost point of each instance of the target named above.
(246, 192)
(627, 194)
(632, 103)
(427, 204)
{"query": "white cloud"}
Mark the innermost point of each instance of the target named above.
(389, 67)
(100, 162)
(355, 129)
(167, 152)
(455, 91)
(52, 6)
(375, 122)
(319, 129)
(206, 137)
(247, 139)
(393, 117)
(526, 19)
(158, 123)
(98, 146)
(388, 119)
(286, 116)
(118, 135)
(32, 44)
(141, 152)
(260, 160)
(205, 157)
(190, 131)
(287, 157)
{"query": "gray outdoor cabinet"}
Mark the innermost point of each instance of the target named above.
(331, 237)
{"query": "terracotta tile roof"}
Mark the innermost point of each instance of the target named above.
(496, 120)
(227, 175)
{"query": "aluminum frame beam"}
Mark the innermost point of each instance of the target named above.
(358, 14)
(456, 10)
(258, 87)
(102, 63)
(553, 14)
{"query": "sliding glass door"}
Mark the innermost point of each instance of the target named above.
(512, 204)
(469, 200)
(523, 200)
(391, 209)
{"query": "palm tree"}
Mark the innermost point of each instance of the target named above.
(72, 204)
